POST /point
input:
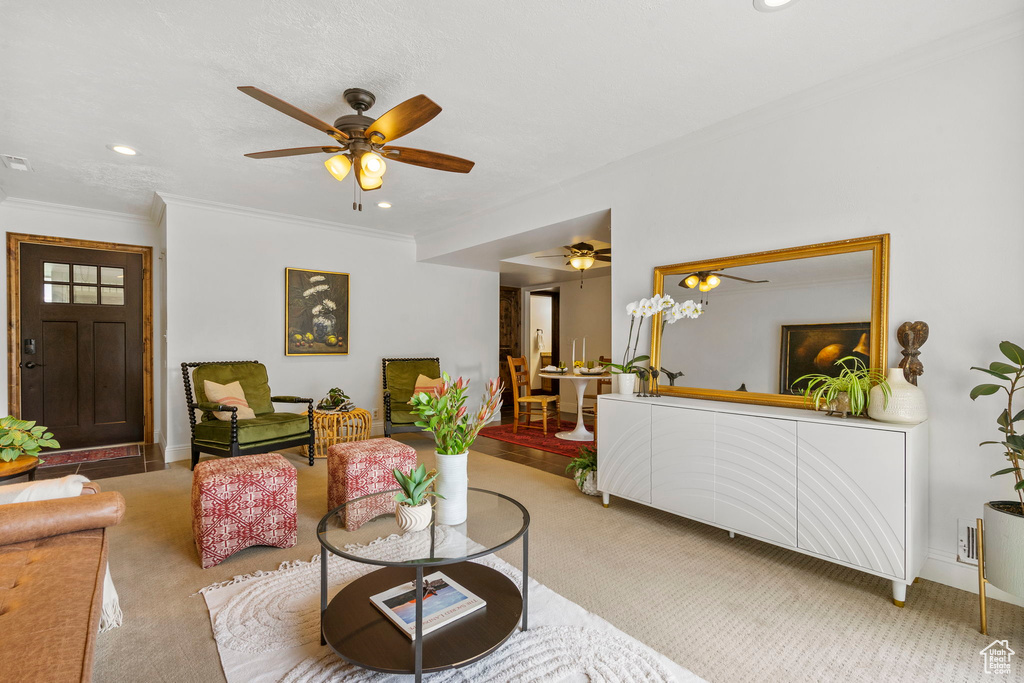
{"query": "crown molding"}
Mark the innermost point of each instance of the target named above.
(68, 210)
(157, 209)
(935, 52)
(172, 200)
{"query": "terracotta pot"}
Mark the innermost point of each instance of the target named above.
(1004, 546)
(413, 518)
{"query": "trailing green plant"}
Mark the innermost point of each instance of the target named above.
(415, 485)
(336, 398)
(583, 464)
(19, 437)
(1012, 443)
(443, 413)
(855, 382)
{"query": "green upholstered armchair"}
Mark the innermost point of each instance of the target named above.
(269, 430)
(399, 376)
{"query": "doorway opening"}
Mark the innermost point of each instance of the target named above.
(544, 338)
(80, 338)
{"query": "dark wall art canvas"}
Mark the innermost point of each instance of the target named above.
(810, 349)
(316, 317)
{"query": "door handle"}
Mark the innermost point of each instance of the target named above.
(30, 364)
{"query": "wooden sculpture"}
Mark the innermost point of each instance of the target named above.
(912, 337)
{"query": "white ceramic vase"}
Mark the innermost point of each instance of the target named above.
(413, 518)
(1004, 548)
(451, 483)
(588, 485)
(906, 404)
(627, 384)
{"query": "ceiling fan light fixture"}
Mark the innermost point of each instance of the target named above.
(713, 280)
(372, 165)
(339, 166)
(704, 286)
(368, 182)
(691, 281)
(581, 262)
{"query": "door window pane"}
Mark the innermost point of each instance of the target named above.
(85, 274)
(56, 272)
(85, 294)
(57, 294)
(112, 276)
(112, 296)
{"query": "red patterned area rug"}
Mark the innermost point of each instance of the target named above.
(535, 438)
(90, 455)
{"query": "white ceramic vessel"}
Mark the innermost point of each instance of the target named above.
(452, 482)
(1004, 549)
(906, 404)
(626, 384)
(413, 518)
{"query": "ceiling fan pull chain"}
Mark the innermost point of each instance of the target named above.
(355, 188)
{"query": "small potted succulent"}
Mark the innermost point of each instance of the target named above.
(336, 401)
(1004, 519)
(414, 510)
(584, 470)
(23, 437)
(846, 394)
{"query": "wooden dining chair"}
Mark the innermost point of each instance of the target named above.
(519, 371)
(603, 385)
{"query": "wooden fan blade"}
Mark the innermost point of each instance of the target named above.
(602, 257)
(741, 279)
(435, 160)
(551, 256)
(403, 119)
(292, 111)
(606, 250)
(294, 151)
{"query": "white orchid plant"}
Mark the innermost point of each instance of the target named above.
(671, 312)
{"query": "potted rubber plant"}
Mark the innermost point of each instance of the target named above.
(1004, 519)
(583, 469)
(413, 510)
(846, 394)
(23, 437)
(443, 413)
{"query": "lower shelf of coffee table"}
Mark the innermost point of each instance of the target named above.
(357, 631)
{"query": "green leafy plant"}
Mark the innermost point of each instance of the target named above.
(854, 381)
(19, 437)
(1012, 443)
(415, 485)
(335, 399)
(443, 413)
(583, 464)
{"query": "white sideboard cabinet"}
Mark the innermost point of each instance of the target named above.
(850, 491)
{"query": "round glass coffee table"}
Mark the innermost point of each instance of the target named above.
(364, 530)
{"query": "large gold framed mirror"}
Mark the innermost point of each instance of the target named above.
(770, 318)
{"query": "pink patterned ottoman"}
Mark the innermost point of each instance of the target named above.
(242, 501)
(359, 468)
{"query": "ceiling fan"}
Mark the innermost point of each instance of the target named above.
(363, 143)
(582, 255)
(706, 280)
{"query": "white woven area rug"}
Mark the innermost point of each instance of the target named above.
(267, 627)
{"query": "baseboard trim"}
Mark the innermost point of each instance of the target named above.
(942, 567)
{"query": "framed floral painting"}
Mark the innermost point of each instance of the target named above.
(316, 314)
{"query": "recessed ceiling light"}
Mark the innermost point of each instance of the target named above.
(384, 205)
(771, 5)
(123, 149)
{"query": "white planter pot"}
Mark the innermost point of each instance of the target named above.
(588, 485)
(451, 483)
(1004, 549)
(906, 405)
(413, 518)
(627, 384)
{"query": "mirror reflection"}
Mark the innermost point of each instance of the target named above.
(767, 324)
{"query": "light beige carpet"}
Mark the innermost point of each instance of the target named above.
(727, 609)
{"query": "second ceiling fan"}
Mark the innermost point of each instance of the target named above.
(363, 143)
(582, 256)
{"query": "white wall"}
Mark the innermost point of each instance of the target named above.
(226, 298)
(539, 319)
(36, 218)
(929, 148)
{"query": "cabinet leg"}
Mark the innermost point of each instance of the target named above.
(732, 534)
(899, 593)
(606, 498)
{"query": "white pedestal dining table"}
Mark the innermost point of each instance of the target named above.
(580, 433)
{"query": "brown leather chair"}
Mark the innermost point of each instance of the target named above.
(519, 371)
(53, 559)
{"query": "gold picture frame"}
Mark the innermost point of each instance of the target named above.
(878, 245)
(316, 312)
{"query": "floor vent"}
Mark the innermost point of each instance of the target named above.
(967, 542)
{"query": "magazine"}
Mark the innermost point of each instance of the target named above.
(444, 601)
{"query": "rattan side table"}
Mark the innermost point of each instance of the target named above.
(332, 428)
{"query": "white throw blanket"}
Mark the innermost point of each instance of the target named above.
(66, 487)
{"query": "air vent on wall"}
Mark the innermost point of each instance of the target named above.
(16, 163)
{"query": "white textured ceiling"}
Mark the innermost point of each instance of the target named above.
(534, 91)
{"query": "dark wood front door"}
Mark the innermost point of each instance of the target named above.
(510, 326)
(81, 346)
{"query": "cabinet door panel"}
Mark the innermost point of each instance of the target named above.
(852, 495)
(624, 449)
(755, 476)
(683, 461)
